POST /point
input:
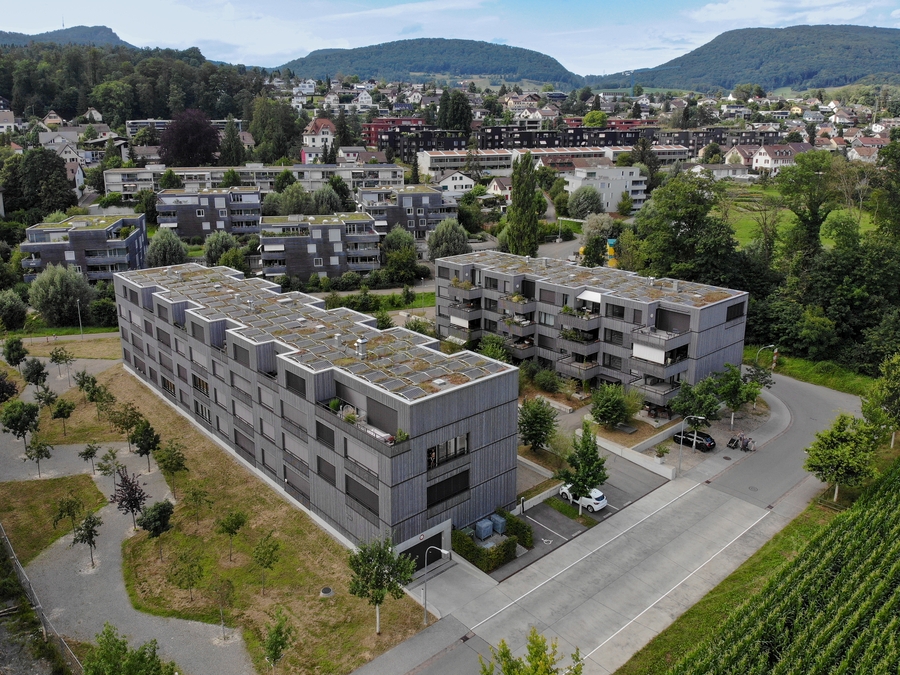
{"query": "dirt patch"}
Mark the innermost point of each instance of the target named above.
(644, 431)
(89, 348)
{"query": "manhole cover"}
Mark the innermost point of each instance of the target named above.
(753, 489)
(726, 457)
(326, 592)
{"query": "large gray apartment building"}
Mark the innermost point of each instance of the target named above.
(199, 213)
(96, 246)
(374, 432)
(593, 324)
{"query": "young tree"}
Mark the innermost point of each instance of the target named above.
(216, 244)
(187, 570)
(170, 180)
(699, 404)
(230, 525)
(14, 352)
(449, 238)
(62, 357)
(109, 464)
(69, 507)
(37, 450)
(12, 309)
(58, 292)
(44, 396)
(885, 393)
(166, 249)
(86, 383)
(266, 554)
(62, 411)
(8, 388)
(113, 656)
(734, 390)
(539, 659)
(104, 400)
(190, 139)
(171, 460)
(494, 347)
(125, 418)
(378, 572)
(522, 229)
(129, 496)
(843, 454)
(20, 419)
(196, 497)
(608, 405)
(587, 468)
(156, 519)
(625, 206)
(399, 250)
(86, 533)
(537, 422)
(90, 451)
(235, 259)
(279, 636)
(34, 372)
(223, 591)
(595, 118)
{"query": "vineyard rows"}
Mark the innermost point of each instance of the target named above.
(835, 609)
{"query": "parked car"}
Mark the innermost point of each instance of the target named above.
(705, 442)
(592, 502)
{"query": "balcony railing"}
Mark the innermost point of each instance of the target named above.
(656, 337)
(466, 310)
(580, 370)
(363, 431)
(580, 321)
(521, 349)
(517, 304)
(520, 328)
(664, 371)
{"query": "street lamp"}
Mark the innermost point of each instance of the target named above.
(693, 443)
(759, 351)
(425, 581)
(78, 304)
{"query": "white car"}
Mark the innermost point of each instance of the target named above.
(593, 502)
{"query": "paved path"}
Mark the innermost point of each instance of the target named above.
(613, 588)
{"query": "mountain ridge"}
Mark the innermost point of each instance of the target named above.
(76, 35)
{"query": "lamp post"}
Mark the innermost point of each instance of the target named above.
(425, 581)
(80, 328)
(759, 351)
(693, 443)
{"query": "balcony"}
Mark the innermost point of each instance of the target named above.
(580, 370)
(465, 290)
(520, 328)
(364, 266)
(517, 304)
(580, 320)
(672, 366)
(106, 259)
(521, 349)
(468, 311)
(660, 393)
(351, 420)
(463, 333)
(29, 263)
(660, 339)
(587, 347)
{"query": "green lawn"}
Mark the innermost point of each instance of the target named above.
(824, 373)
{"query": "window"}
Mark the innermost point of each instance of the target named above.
(546, 319)
(202, 410)
(197, 332)
(409, 212)
(163, 337)
(638, 316)
(613, 362)
(148, 327)
(613, 336)
(317, 262)
(443, 273)
(365, 497)
(267, 429)
(615, 311)
(325, 470)
(200, 385)
(241, 355)
(447, 488)
(295, 384)
(334, 260)
(734, 312)
(444, 452)
(491, 283)
(162, 312)
(200, 213)
(223, 213)
(182, 373)
(548, 296)
(266, 398)
(325, 435)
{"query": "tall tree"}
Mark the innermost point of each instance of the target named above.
(448, 239)
(843, 454)
(460, 115)
(216, 244)
(34, 372)
(58, 293)
(166, 249)
(377, 571)
(86, 532)
(190, 139)
(342, 137)
(735, 390)
(809, 192)
(230, 525)
(885, 393)
(443, 116)
(156, 520)
(699, 404)
(587, 469)
(523, 233)
(231, 151)
(125, 418)
(266, 554)
(129, 496)
(39, 182)
(537, 422)
(170, 180)
(608, 405)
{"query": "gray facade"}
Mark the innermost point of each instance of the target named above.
(199, 213)
(96, 246)
(597, 325)
(258, 370)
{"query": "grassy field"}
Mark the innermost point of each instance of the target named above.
(703, 619)
(824, 373)
(334, 635)
(95, 348)
(27, 509)
(82, 427)
(40, 330)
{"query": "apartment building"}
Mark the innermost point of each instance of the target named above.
(416, 208)
(610, 182)
(300, 246)
(198, 213)
(376, 433)
(129, 182)
(593, 324)
(133, 126)
(96, 246)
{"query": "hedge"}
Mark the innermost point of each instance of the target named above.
(518, 529)
(485, 559)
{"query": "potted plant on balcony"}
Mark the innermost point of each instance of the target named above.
(350, 418)
(568, 311)
(335, 405)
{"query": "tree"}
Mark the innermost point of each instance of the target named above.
(125, 419)
(171, 460)
(145, 439)
(62, 411)
(494, 347)
(85, 382)
(266, 554)
(113, 656)
(216, 244)
(20, 419)
(60, 356)
(843, 454)
(166, 249)
(231, 151)
(595, 118)
(735, 390)
(279, 636)
(885, 392)
(284, 180)
(459, 117)
(69, 507)
(12, 310)
(608, 405)
(103, 398)
(585, 201)
(523, 233)
(699, 403)
(537, 422)
(109, 464)
(808, 191)
(625, 206)
(230, 525)
(223, 591)
(187, 570)
(38, 181)
(587, 468)
(8, 388)
(44, 396)
(90, 451)
(34, 372)
(86, 532)
(197, 498)
(56, 293)
(414, 178)
(37, 450)
(378, 572)
(448, 239)
(170, 180)
(230, 178)
(145, 136)
(190, 139)
(235, 259)
(14, 352)
(539, 659)
(129, 496)
(399, 249)
(156, 520)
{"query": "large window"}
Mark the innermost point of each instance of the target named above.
(444, 452)
(326, 470)
(734, 312)
(361, 494)
(241, 355)
(447, 488)
(200, 385)
(325, 435)
(168, 385)
(615, 311)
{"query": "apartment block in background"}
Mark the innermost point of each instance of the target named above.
(199, 213)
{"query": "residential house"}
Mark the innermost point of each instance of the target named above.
(454, 182)
(331, 100)
(595, 325)
(334, 414)
(198, 213)
(52, 120)
(92, 116)
(95, 246)
(611, 182)
(319, 132)
(813, 116)
(773, 158)
(7, 121)
(363, 100)
(869, 142)
(501, 186)
(307, 87)
(418, 209)
(862, 153)
(741, 154)
(722, 171)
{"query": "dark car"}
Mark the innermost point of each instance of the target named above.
(705, 442)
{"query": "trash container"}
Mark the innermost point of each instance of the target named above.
(484, 528)
(499, 523)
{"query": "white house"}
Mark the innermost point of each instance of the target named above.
(773, 158)
(454, 182)
(307, 87)
(610, 182)
(318, 132)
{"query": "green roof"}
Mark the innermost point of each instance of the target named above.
(86, 222)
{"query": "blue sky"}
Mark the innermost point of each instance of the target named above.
(586, 37)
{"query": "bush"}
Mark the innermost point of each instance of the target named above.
(547, 380)
(518, 529)
(112, 199)
(485, 559)
(530, 368)
(12, 310)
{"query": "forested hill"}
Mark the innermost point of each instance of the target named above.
(801, 57)
(423, 57)
(76, 35)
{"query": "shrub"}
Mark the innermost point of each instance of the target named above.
(521, 531)
(547, 380)
(485, 559)
(112, 199)
(530, 368)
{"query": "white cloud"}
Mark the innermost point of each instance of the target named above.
(781, 12)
